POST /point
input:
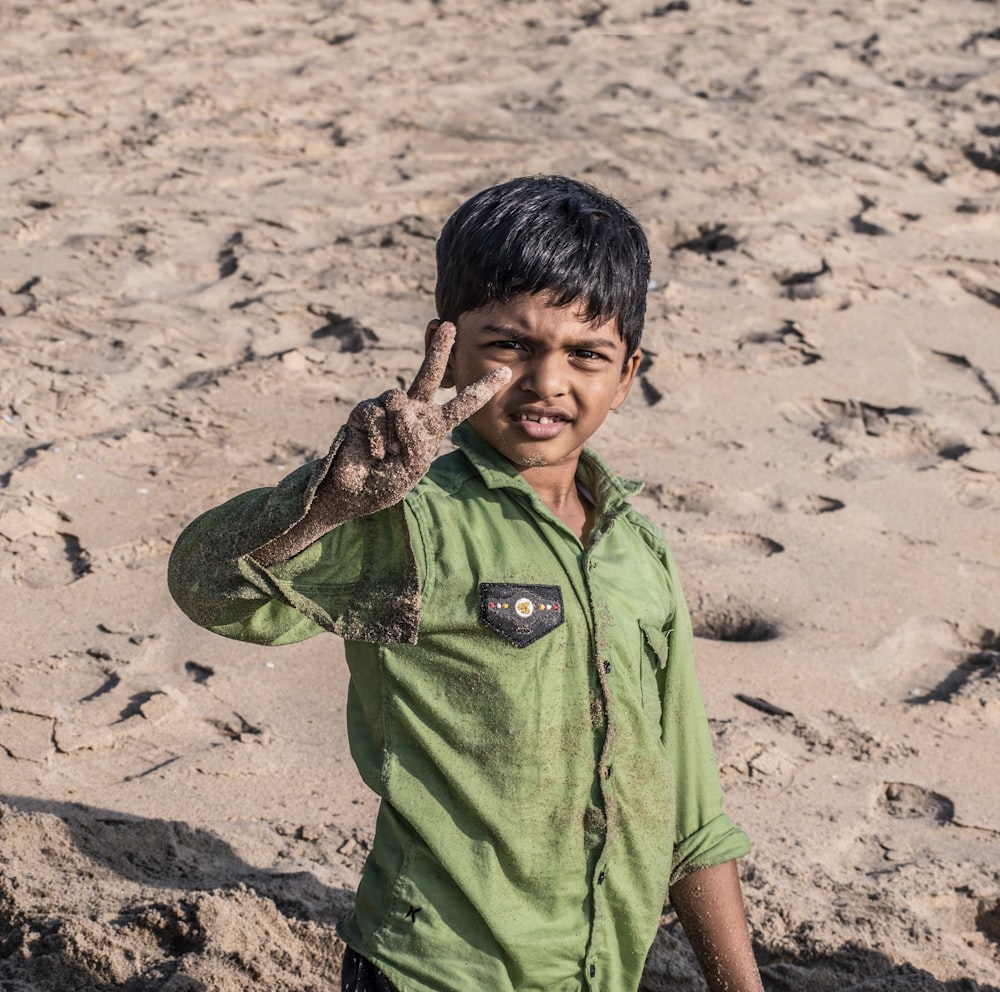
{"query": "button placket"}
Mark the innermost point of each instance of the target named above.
(603, 668)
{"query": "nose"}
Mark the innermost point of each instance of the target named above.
(545, 376)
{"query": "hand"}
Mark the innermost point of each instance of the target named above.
(387, 446)
(391, 441)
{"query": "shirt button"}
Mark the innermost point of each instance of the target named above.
(600, 878)
(607, 666)
(607, 772)
(593, 970)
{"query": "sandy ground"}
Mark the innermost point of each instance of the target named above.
(218, 223)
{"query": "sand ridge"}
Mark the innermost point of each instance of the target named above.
(218, 225)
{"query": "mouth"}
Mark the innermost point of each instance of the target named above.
(538, 418)
(540, 426)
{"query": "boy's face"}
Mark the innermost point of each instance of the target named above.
(567, 374)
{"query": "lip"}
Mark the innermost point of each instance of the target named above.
(540, 423)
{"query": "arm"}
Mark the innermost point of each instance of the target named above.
(709, 905)
(265, 566)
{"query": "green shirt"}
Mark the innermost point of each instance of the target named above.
(525, 706)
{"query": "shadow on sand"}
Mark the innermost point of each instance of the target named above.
(92, 900)
(95, 901)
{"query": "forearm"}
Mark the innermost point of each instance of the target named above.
(326, 510)
(709, 904)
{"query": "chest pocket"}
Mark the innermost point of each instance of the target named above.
(520, 613)
(655, 650)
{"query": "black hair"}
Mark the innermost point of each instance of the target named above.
(545, 234)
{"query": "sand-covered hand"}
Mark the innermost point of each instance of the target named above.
(388, 445)
(390, 441)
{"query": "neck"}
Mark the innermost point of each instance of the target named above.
(556, 488)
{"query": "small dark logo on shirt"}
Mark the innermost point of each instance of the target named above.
(520, 613)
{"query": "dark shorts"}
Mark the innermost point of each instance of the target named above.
(358, 974)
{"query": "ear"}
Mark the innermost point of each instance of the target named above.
(629, 371)
(448, 379)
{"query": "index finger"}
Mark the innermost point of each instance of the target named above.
(475, 396)
(430, 374)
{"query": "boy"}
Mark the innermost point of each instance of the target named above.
(522, 693)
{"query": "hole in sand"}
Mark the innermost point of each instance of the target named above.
(734, 623)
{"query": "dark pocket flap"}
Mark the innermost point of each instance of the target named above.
(520, 613)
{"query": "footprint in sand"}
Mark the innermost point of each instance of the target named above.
(977, 492)
(786, 345)
(919, 659)
(228, 259)
(978, 488)
(912, 802)
(710, 240)
(704, 498)
(698, 497)
(755, 544)
(808, 284)
(816, 504)
(971, 678)
(988, 920)
(42, 554)
(346, 334)
(650, 393)
(199, 674)
(974, 371)
(868, 438)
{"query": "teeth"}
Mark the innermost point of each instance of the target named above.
(538, 420)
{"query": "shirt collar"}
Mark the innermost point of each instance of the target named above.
(611, 492)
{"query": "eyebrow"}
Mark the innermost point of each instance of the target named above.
(513, 332)
(517, 334)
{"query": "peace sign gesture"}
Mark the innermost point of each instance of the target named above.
(391, 441)
(387, 445)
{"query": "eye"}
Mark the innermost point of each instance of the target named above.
(588, 356)
(506, 345)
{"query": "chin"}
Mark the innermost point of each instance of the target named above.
(524, 459)
(532, 461)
